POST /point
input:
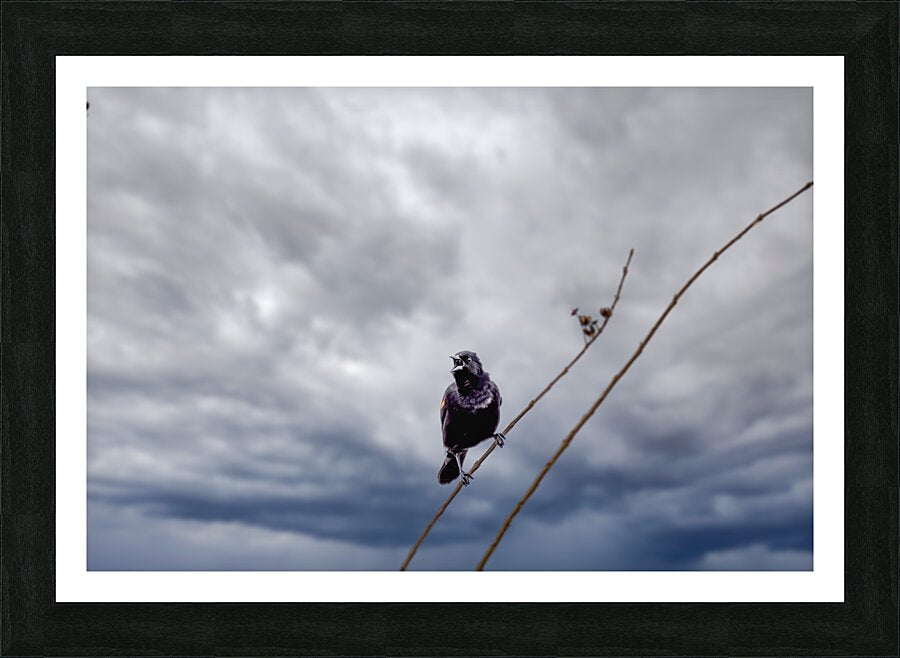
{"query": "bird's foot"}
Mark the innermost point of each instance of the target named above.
(500, 438)
(466, 478)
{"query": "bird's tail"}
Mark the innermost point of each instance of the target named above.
(450, 470)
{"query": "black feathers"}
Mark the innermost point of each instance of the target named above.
(450, 469)
(470, 412)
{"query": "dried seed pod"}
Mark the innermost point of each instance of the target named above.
(606, 311)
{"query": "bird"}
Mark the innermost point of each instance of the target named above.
(470, 413)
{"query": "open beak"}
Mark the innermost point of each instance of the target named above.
(456, 368)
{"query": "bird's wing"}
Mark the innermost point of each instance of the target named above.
(446, 400)
(496, 392)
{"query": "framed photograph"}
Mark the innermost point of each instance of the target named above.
(227, 324)
(361, 221)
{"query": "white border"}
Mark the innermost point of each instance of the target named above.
(75, 583)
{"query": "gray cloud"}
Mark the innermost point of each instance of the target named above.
(276, 277)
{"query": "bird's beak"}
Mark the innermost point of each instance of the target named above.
(456, 368)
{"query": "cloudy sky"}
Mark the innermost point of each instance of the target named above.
(276, 278)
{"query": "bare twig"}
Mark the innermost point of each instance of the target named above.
(590, 412)
(524, 411)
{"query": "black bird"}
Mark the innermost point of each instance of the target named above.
(470, 412)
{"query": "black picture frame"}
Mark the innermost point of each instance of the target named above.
(865, 33)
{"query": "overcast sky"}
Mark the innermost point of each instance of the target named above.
(276, 278)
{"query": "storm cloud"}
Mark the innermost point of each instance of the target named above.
(276, 278)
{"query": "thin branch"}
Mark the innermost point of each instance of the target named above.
(590, 412)
(515, 420)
